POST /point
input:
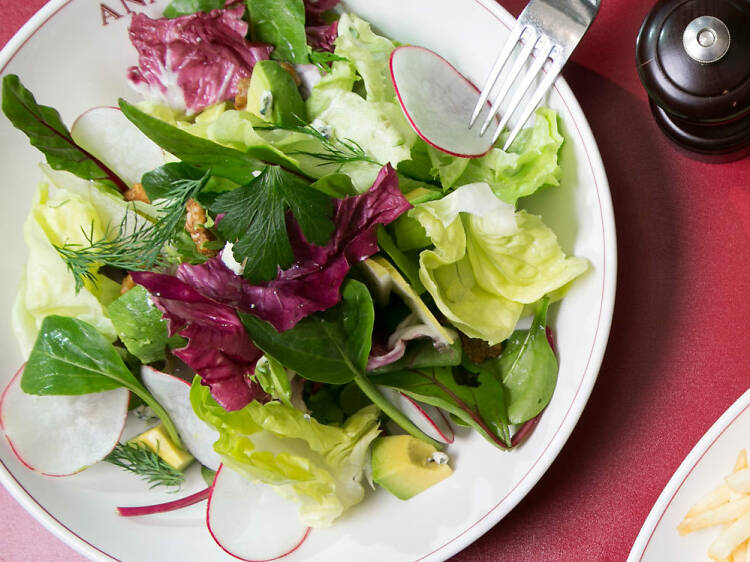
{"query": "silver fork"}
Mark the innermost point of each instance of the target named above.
(550, 29)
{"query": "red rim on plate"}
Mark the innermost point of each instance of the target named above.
(583, 386)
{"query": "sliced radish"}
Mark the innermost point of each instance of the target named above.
(251, 521)
(431, 420)
(173, 394)
(438, 102)
(107, 134)
(174, 505)
(62, 435)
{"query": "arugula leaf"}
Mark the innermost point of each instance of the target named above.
(481, 406)
(46, 131)
(179, 8)
(282, 24)
(332, 347)
(528, 368)
(255, 220)
(70, 357)
(223, 161)
(141, 326)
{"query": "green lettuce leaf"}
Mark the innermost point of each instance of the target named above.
(47, 287)
(320, 466)
(530, 163)
(488, 261)
(370, 53)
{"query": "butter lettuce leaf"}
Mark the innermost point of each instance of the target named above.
(370, 53)
(488, 261)
(47, 287)
(319, 466)
(530, 163)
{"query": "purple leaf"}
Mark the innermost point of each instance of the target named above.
(193, 61)
(218, 348)
(312, 283)
(314, 10)
(321, 37)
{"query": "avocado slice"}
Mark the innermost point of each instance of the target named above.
(382, 278)
(406, 466)
(159, 442)
(273, 95)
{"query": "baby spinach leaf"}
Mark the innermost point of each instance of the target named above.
(71, 357)
(141, 326)
(46, 131)
(282, 24)
(179, 8)
(332, 347)
(223, 161)
(164, 181)
(255, 220)
(481, 406)
(528, 368)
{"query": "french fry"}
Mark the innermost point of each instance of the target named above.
(739, 481)
(725, 513)
(711, 500)
(740, 464)
(740, 553)
(730, 538)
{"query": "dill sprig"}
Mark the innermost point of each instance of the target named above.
(140, 460)
(136, 243)
(337, 151)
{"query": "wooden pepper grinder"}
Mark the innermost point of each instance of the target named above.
(693, 58)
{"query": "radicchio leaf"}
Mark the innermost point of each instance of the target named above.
(314, 10)
(193, 61)
(322, 37)
(312, 283)
(218, 348)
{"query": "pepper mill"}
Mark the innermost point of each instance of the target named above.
(693, 58)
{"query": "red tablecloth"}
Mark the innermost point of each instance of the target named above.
(677, 354)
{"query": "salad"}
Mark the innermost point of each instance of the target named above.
(258, 251)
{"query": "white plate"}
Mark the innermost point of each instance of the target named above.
(70, 60)
(702, 470)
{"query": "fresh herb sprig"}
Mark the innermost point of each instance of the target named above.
(336, 151)
(144, 462)
(135, 245)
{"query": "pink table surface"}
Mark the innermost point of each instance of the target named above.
(677, 354)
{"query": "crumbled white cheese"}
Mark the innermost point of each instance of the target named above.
(227, 258)
(266, 102)
(438, 458)
(322, 127)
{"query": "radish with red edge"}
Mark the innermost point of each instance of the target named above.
(173, 394)
(62, 435)
(429, 419)
(107, 134)
(438, 102)
(251, 521)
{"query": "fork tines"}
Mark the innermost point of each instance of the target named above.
(531, 43)
(548, 31)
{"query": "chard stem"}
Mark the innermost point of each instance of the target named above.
(398, 417)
